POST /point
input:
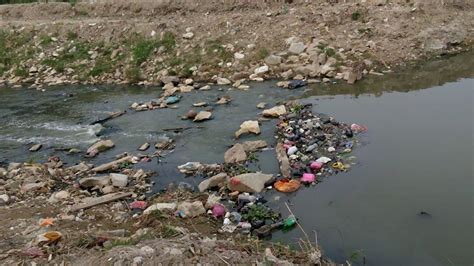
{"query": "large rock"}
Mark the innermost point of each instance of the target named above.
(236, 154)
(251, 182)
(251, 146)
(273, 60)
(275, 111)
(191, 209)
(261, 70)
(249, 126)
(213, 181)
(96, 181)
(35, 147)
(32, 187)
(119, 180)
(296, 48)
(203, 115)
(100, 146)
(223, 81)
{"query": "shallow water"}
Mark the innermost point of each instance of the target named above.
(416, 156)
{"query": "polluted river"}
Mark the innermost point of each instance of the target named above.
(406, 199)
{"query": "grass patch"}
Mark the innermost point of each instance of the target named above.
(71, 35)
(329, 51)
(101, 66)
(356, 15)
(45, 39)
(259, 212)
(168, 231)
(76, 53)
(262, 53)
(21, 72)
(143, 48)
(216, 47)
(133, 74)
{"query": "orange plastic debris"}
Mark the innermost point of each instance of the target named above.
(287, 185)
(52, 236)
(46, 222)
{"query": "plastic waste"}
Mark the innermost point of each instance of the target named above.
(218, 210)
(296, 84)
(139, 204)
(46, 222)
(292, 150)
(266, 230)
(316, 165)
(323, 159)
(289, 222)
(235, 217)
(358, 128)
(287, 185)
(339, 166)
(308, 178)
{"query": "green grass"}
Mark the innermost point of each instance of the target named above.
(143, 48)
(216, 47)
(262, 53)
(21, 72)
(356, 15)
(329, 51)
(101, 66)
(45, 39)
(71, 35)
(68, 57)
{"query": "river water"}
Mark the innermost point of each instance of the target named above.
(416, 157)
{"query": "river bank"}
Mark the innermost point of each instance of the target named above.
(155, 43)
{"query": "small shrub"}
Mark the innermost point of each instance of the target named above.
(133, 74)
(71, 35)
(142, 50)
(329, 51)
(101, 66)
(263, 53)
(356, 15)
(21, 72)
(45, 40)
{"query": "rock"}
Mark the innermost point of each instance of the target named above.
(32, 187)
(296, 48)
(33, 69)
(119, 180)
(249, 126)
(4, 199)
(96, 181)
(251, 146)
(223, 81)
(188, 35)
(108, 189)
(200, 104)
(243, 87)
(205, 88)
(213, 181)
(160, 207)
(261, 70)
(202, 115)
(273, 60)
(191, 114)
(223, 100)
(169, 79)
(100, 146)
(251, 182)
(261, 105)
(62, 195)
(275, 111)
(186, 88)
(144, 147)
(191, 209)
(235, 154)
(239, 56)
(35, 147)
(172, 100)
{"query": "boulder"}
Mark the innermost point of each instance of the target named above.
(261, 105)
(119, 180)
(32, 187)
(223, 81)
(296, 48)
(249, 126)
(144, 147)
(250, 182)
(261, 70)
(203, 115)
(273, 60)
(251, 146)
(100, 146)
(96, 181)
(213, 181)
(275, 111)
(236, 154)
(191, 209)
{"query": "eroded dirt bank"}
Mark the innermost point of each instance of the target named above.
(148, 41)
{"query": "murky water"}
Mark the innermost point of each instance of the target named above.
(417, 155)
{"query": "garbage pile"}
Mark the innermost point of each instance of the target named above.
(311, 146)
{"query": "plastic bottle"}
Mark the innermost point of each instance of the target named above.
(289, 222)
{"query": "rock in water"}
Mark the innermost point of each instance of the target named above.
(191, 209)
(236, 154)
(203, 115)
(250, 146)
(249, 126)
(223, 81)
(119, 180)
(100, 146)
(144, 147)
(275, 111)
(213, 181)
(251, 182)
(35, 147)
